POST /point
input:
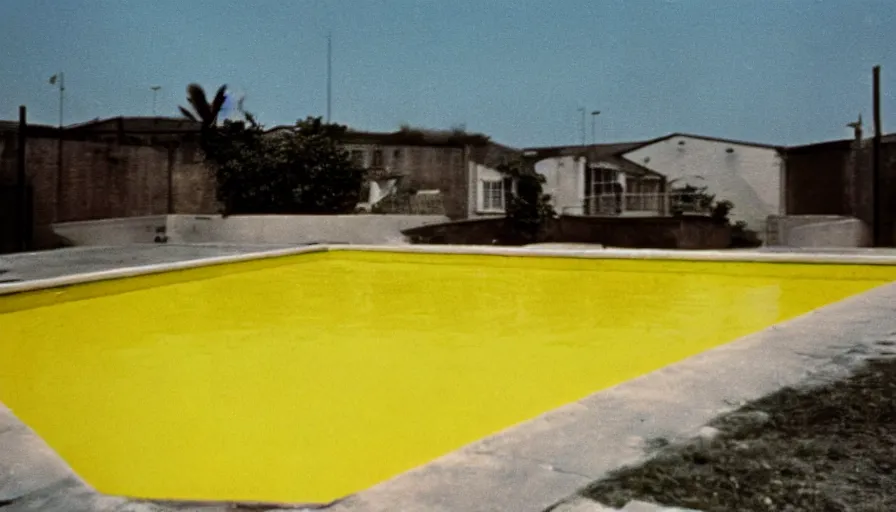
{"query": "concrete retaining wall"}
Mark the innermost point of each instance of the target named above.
(821, 231)
(247, 229)
(126, 231)
(632, 232)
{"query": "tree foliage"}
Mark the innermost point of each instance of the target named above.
(303, 170)
(528, 208)
(699, 200)
(203, 111)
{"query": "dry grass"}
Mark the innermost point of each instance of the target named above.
(830, 449)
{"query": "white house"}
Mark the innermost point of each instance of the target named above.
(749, 175)
(594, 180)
(633, 178)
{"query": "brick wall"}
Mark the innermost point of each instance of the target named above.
(106, 180)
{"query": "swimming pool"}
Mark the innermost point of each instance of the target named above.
(307, 377)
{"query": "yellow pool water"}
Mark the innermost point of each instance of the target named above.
(310, 377)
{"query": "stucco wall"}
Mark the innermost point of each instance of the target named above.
(748, 176)
(565, 182)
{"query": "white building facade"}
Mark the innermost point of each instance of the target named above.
(751, 176)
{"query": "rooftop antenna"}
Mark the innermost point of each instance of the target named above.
(155, 91)
(582, 110)
(857, 128)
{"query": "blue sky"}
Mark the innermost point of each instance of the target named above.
(776, 71)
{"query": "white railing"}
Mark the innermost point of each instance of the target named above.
(648, 203)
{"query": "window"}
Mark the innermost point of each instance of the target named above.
(603, 181)
(603, 193)
(377, 158)
(493, 196)
(357, 157)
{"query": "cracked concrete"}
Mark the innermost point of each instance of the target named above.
(537, 464)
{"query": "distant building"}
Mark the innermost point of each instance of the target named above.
(429, 171)
(594, 180)
(635, 178)
(835, 179)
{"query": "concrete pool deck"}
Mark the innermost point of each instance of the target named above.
(536, 464)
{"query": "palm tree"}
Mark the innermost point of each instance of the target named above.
(204, 112)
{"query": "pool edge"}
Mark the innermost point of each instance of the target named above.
(634, 254)
(532, 465)
(536, 464)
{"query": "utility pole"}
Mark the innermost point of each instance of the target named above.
(582, 110)
(875, 166)
(59, 79)
(24, 217)
(594, 115)
(329, 75)
(155, 90)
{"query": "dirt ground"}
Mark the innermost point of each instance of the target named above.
(829, 449)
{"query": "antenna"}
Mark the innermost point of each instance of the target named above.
(155, 90)
(329, 74)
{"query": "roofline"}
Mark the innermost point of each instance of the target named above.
(93, 122)
(361, 134)
(887, 138)
(707, 138)
(579, 147)
(581, 151)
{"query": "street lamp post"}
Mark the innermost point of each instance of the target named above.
(155, 90)
(582, 111)
(58, 80)
(594, 115)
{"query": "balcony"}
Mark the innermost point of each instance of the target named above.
(641, 205)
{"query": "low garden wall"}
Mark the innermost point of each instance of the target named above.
(628, 232)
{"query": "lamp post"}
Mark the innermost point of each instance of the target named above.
(594, 115)
(582, 111)
(59, 80)
(155, 90)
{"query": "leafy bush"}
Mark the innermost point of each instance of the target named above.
(298, 171)
(528, 208)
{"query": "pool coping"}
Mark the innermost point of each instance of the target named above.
(615, 254)
(533, 465)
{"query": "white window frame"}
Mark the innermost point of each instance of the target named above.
(485, 200)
